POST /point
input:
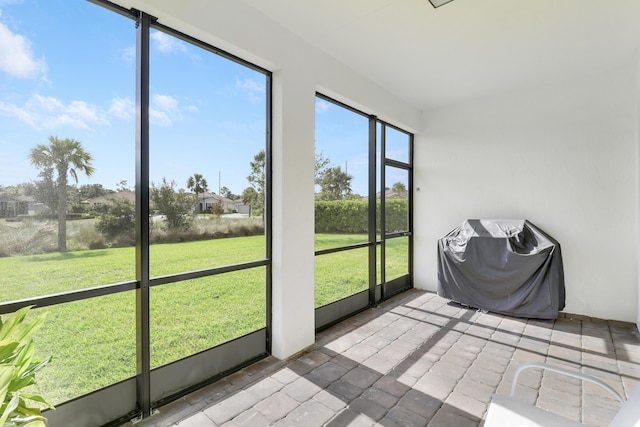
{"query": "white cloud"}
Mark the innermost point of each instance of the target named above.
(163, 110)
(167, 44)
(159, 118)
(45, 102)
(62, 120)
(254, 90)
(85, 112)
(16, 56)
(122, 108)
(22, 114)
(164, 102)
(45, 112)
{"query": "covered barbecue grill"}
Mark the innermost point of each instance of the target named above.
(504, 266)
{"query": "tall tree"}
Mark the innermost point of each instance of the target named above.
(226, 192)
(322, 163)
(257, 180)
(122, 185)
(45, 190)
(89, 191)
(250, 197)
(335, 184)
(65, 157)
(198, 185)
(174, 205)
(399, 189)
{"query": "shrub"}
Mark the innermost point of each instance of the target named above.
(351, 216)
(174, 205)
(18, 368)
(87, 237)
(30, 237)
(119, 219)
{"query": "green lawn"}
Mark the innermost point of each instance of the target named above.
(93, 341)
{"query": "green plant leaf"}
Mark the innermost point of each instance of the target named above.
(25, 330)
(6, 373)
(12, 321)
(24, 357)
(17, 370)
(20, 383)
(35, 367)
(11, 406)
(37, 398)
(7, 347)
(24, 411)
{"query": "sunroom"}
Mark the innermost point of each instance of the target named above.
(356, 133)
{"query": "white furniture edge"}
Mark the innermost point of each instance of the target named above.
(562, 371)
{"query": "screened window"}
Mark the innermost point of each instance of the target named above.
(74, 239)
(362, 210)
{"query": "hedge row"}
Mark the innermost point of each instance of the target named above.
(350, 216)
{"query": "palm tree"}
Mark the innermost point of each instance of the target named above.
(198, 185)
(66, 157)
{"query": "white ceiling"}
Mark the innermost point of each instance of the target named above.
(466, 48)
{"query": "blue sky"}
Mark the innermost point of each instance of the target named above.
(67, 70)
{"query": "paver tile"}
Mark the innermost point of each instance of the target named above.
(330, 371)
(285, 376)
(345, 390)
(404, 417)
(444, 368)
(311, 414)
(391, 385)
(276, 406)
(314, 358)
(361, 377)
(380, 364)
(264, 388)
(420, 403)
(450, 416)
(477, 390)
(418, 360)
(349, 418)
(250, 418)
(230, 407)
(437, 386)
(197, 420)
(369, 408)
(379, 397)
(471, 406)
(301, 389)
(330, 400)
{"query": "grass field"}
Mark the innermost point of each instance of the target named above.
(93, 341)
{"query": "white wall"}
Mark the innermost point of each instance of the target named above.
(299, 70)
(563, 156)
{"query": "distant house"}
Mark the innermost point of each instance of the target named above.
(13, 205)
(107, 200)
(207, 200)
(241, 207)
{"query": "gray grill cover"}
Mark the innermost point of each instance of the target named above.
(504, 266)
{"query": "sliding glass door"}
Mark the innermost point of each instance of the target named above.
(363, 233)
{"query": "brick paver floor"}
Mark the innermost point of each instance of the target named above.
(420, 360)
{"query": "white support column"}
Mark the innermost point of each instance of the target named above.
(293, 318)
